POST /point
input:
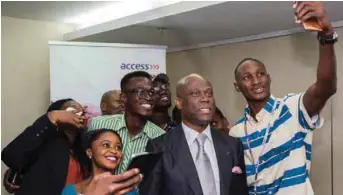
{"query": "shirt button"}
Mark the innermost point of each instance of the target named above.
(37, 134)
(270, 192)
(45, 127)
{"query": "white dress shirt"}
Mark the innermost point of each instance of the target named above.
(191, 136)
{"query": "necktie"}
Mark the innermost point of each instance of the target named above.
(204, 168)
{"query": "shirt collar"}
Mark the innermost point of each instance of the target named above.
(191, 134)
(268, 108)
(146, 129)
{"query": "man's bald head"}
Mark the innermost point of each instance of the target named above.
(108, 95)
(184, 81)
(195, 101)
(111, 103)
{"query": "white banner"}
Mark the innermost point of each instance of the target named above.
(84, 71)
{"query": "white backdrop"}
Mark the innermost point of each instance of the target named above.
(84, 71)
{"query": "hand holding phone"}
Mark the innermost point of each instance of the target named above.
(69, 116)
(70, 109)
(308, 14)
(12, 181)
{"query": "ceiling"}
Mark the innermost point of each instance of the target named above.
(55, 11)
(177, 26)
(222, 21)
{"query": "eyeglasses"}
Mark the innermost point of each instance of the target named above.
(143, 93)
(162, 86)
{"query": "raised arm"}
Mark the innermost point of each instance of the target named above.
(26, 147)
(326, 84)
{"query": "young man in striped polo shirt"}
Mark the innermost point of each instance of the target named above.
(133, 126)
(274, 131)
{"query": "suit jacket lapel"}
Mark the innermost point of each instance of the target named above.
(224, 159)
(180, 150)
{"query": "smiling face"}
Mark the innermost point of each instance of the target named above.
(253, 81)
(196, 101)
(162, 94)
(105, 151)
(139, 97)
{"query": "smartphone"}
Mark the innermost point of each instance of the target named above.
(145, 162)
(15, 177)
(312, 24)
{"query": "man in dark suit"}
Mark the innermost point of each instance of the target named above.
(196, 159)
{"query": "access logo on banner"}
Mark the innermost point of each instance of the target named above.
(137, 66)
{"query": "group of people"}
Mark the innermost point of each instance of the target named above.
(65, 152)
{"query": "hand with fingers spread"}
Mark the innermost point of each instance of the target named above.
(309, 10)
(60, 117)
(106, 183)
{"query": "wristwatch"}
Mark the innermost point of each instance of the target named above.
(327, 41)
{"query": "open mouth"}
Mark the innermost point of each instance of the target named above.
(205, 110)
(147, 106)
(258, 90)
(112, 158)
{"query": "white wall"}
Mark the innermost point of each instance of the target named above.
(25, 73)
(291, 61)
(337, 124)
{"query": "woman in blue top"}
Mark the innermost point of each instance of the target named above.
(104, 149)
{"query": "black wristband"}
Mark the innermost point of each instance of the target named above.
(327, 41)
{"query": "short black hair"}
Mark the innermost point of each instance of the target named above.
(221, 115)
(90, 136)
(163, 78)
(57, 105)
(131, 75)
(244, 60)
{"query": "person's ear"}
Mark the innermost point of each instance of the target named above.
(123, 98)
(269, 78)
(89, 153)
(103, 106)
(178, 102)
(237, 87)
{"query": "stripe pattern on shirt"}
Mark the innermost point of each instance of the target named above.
(284, 165)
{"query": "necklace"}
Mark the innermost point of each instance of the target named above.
(256, 163)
